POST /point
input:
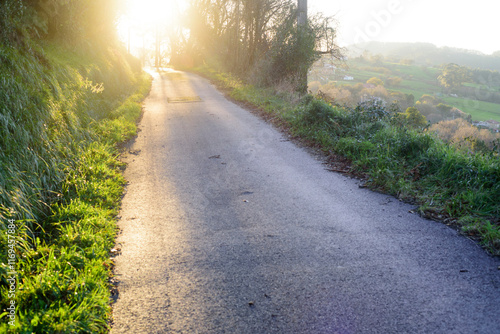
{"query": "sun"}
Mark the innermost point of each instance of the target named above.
(144, 17)
(150, 11)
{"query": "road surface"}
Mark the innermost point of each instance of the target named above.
(228, 227)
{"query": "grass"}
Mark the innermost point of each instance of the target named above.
(481, 111)
(455, 186)
(65, 269)
(62, 112)
(418, 81)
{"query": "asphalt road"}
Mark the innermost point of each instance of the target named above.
(228, 227)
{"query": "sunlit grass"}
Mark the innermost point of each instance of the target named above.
(62, 113)
(64, 273)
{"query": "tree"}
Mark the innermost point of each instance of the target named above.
(410, 99)
(444, 109)
(453, 76)
(393, 81)
(429, 99)
(258, 39)
(414, 117)
(375, 81)
(462, 133)
(377, 59)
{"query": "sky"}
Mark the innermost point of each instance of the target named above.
(470, 25)
(463, 24)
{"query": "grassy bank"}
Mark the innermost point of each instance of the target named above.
(62, 112)
(458, 187)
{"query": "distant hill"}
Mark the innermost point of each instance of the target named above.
(428, 54)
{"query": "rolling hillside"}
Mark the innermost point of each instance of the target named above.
(411, 78)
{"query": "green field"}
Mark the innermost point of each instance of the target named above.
(416, 80)
(480, 110)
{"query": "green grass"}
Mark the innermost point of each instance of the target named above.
(416, 72)
(417, 88)
(63, 112)
(481, 111)
(448, 184)
(419, 81)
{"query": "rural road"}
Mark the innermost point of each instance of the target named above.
(228, 227)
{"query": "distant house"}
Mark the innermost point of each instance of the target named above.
(481, 124)
(493, 124)
(348, 78)
(377, 101)
(490, 124)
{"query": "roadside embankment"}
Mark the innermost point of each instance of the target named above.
(63, 110)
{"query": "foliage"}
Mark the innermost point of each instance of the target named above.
(414, 118)
(82, 22)
(63, 106)
(11, 21)
(259, 40)
(453, 76)
(393, 81)
(375, 81)
(417, 81)
(463, 134)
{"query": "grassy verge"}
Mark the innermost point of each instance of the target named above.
(62, 113)
(455, 186)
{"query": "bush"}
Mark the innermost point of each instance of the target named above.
(393, 81)
(317, 112)
(414, 118)
(375, 81)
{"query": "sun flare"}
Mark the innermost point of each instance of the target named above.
(150, 11)
(142, 18)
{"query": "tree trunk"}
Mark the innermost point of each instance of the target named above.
(302, 26)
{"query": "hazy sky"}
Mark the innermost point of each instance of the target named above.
(463, 24)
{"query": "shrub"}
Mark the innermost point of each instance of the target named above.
(375, 81)
(393, 81)
(414, 118)
(317, 112)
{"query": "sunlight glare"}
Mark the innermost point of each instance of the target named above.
(141, 18)
(150, 11)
